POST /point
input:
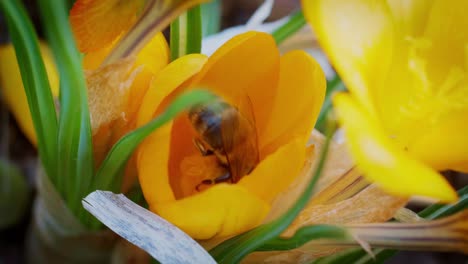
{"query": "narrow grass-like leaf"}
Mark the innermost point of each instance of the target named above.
(186, 33)
(334, 85)
(75, 155)
(380, 255)
(109, 174)
(304, 235)
(211, 17)
(295, 22)
(36, 83)
(235, 249)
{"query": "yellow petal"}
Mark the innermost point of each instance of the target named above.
(164, 83)
(157, 146)
(444, 145)
(357, 35)
(152, 163)
(382, 161)
(13, 90)
(300, 94)
(95, 24)
(153, 57)
(410, 16)
(246, 65)
(446, 31)
(220, 211)
(276, 172)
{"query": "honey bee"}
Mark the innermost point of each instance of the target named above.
(230, 134)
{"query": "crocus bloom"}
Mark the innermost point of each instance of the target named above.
(12, 88)
(405, 64)
(286, 93)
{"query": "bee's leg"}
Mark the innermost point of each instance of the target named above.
(202, 148)
(223, 178)
(204, 182)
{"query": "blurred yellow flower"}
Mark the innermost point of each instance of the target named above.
(405, 64)
(286, 93)
(12, 89)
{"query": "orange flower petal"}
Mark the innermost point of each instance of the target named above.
(152, 164)
(95, 24)
(246, 65)
(170, 78)
(154, 56)
(300, 94)
(276, 171)
(152, 174)
(220, 211)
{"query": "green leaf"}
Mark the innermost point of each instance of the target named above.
(235, 249)
(36, 83)
(186, 33)
(295, 23)
(109, 175)
(304, 235)
(381, 255)
(75, 150)
(211, 17)
(334, 85)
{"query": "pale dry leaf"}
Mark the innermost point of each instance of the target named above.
(156, 236)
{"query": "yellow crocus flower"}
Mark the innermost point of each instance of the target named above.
(286, 93)
(12, 89)
(405, 64)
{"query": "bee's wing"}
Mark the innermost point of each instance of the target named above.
(240, 140)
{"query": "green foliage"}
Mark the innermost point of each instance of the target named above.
(65, 146)
(186, 33)
(304, 235)
(75, 151)
(295, 22)
(333, 85)
(211, 14)
(36, 83)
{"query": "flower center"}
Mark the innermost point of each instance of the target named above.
(227, 147)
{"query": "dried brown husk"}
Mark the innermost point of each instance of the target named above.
(368, 205)
(108, 98)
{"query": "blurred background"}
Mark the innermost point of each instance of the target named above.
(16, 148)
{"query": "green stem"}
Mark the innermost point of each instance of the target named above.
(334, 85)
(186, 33)
(75, 155)
(295, 23)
